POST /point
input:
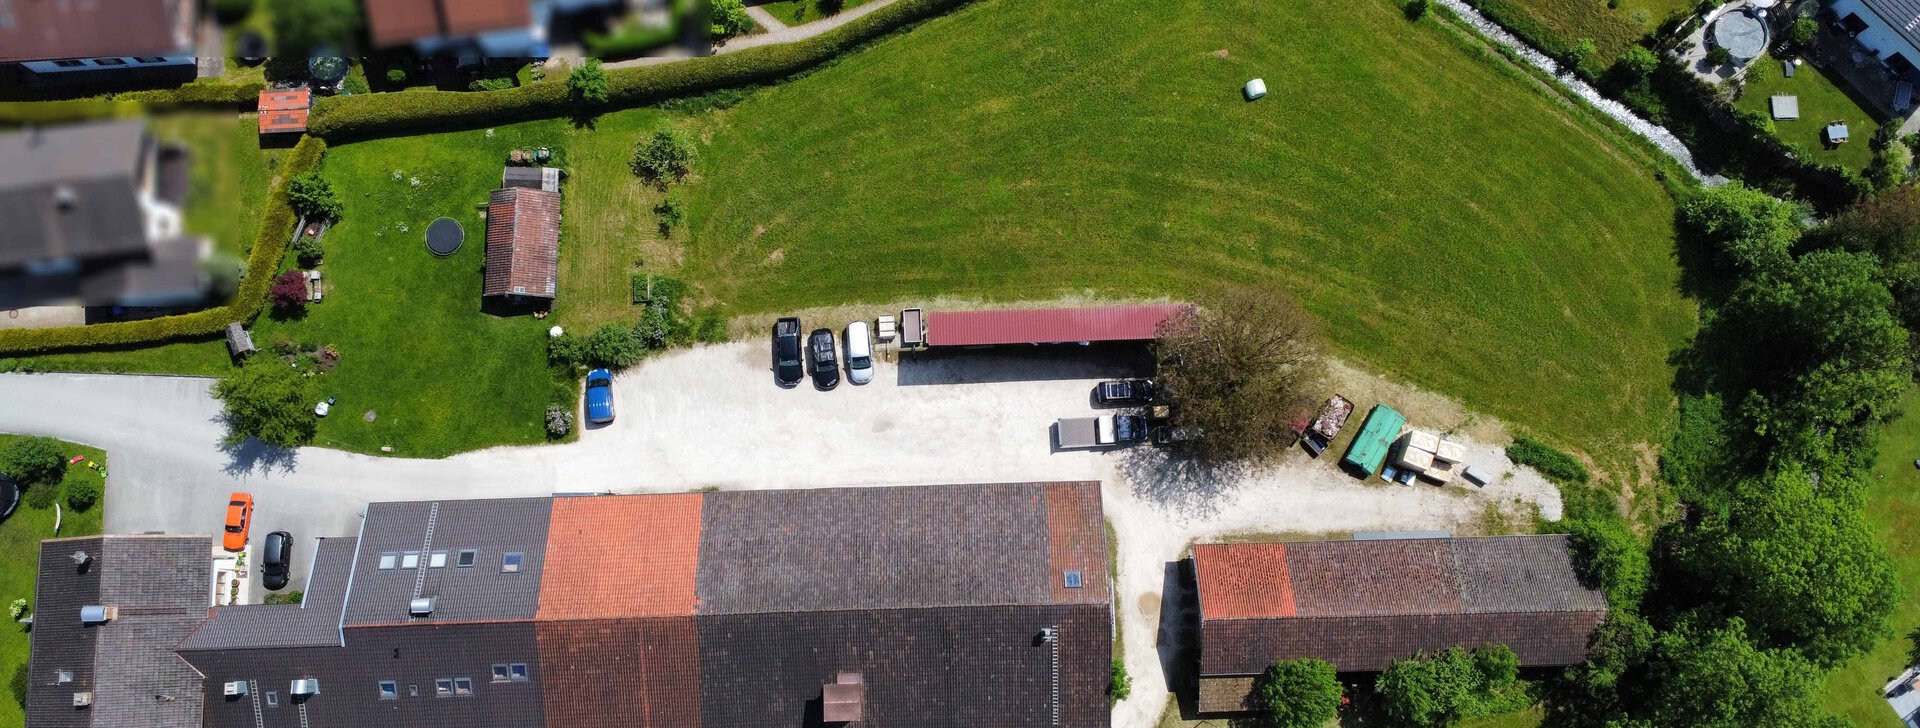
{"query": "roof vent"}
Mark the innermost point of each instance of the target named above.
(844, 700)
(422, 606)
(82, 700)
(65, 198)
(305, 687)
(1047, 634)
(97, 614)
(235, 688)
(80, 558)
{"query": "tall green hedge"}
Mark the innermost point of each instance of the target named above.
(276, 233)
(343, 118)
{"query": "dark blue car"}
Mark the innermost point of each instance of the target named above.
(599, 396)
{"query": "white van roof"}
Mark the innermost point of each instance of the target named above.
(858, 341)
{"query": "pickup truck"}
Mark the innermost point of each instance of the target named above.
(1084, 433)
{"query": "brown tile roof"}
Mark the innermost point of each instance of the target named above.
(655, 662)
(53, 29)
(1363, 604)
(1225, 695)
(523, 243)
(621, 556)
(398, 22)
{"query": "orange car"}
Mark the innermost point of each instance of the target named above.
(239, 517)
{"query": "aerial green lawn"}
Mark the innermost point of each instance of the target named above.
(440, 374)
(1823, 98)
(1612, 29)
(231, 175)
(20, 537)
(1893, 507)
(1447, 224)
(795, 12)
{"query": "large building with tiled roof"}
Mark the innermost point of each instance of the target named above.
(967, 605)
(1361, 605)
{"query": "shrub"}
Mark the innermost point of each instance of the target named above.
(1746, 228)
(613, 346)
(34, 462)
(268, 401)
(1302, 693)
(311, 195)
(1437, 689)
(275, 232)
(1582, 58)
(19, 684)
(42, 497)
(1719, 56)
(290, 291)
(1638, 63)
(1416, 9)
(671, 213)
(291, 597)
(729, 19)
(309, 251)
(1802, 30)
(17, 609)
(587, 83)
(559, 421)
(665, 157)
(1559, 467)
(567, 350)
(630, 42)
(1889, 168)
(342, 118)
(396, 75)
(232, 11)
(490, 84)
(1121, 684)
(82, 494)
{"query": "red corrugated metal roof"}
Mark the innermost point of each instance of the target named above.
(1047, 325)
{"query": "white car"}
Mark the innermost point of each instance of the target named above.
(859, 353)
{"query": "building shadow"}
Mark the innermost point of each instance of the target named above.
(1023, 364)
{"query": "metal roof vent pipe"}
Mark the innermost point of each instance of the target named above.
(98, 614)
(305, 688)
(422, 606)
(80, 559)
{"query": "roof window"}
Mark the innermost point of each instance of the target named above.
(389, 690)
(499, 673)
(63, 676)
(1074, 580)
(443, 687)
(466, 558)
(437, 560)
(462, 686)
(410, 560)
(519, 671)
(387, 559)
(510, 562)
(273, 699)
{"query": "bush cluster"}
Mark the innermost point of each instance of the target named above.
(1557, 466)
(309, 251)
(276, 231)
(34, 462)
(559, 421)
(1438, 689)
(83, 494)
(341, 118)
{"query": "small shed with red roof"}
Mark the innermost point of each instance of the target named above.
(284, 110)
(523, 243)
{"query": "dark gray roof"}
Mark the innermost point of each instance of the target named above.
(312, 623)
(483, 592)
(169, 275)
(1900, 16)
(161, 587)
(898, 548)
(71, 191)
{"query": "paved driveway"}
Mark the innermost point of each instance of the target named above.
(711, 416)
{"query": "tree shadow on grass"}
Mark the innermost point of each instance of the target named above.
(254, 456)
(1181, 483)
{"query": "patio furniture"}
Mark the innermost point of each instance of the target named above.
(315, 286)
(1784, 108)
(1786, 68)
(1836, 132)
(1902, 96)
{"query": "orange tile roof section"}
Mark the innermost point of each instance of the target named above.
(1075, 537)
(467, 17)
(1243, 580)
(621, 556)
(284, 110)
(394, 22)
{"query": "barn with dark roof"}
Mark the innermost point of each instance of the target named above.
(1361, 605)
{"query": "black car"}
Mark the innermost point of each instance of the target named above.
(786, 352)
(1129, 429)
(1124, 392)
(275, 556)
(820, 354)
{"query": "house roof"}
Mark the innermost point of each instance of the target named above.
(284, 110)
(71, 191)
(398, 22)
(160, 587)
(56, 29)
(710, 609)
(1900, 16)
(1048, 325)
(315, 622)
(523, 243)
(1360, 605)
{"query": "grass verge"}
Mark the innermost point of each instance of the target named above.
(1893, 507)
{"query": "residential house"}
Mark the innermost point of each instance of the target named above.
(471, 30)
(99, 42)
(1360, 605)
(523, 244)
(968, 605)
(108, 611)
(1888, 32)
(93, 216)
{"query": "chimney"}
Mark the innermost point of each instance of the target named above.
(845, 699)
(65, 198)
(82, 700)
(80, 559)
(305, 687)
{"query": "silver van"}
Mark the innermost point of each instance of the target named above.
(859, 353)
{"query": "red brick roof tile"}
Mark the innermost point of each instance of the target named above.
(523, 243)
(1243, 580)
(621, 556)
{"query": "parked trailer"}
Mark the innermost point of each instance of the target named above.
(1333, 416)
(930, 329)
(1084, 433)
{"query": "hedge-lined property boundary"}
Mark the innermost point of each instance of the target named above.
(345, 118)
(276, 233)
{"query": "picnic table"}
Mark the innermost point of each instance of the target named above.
(1836, 132)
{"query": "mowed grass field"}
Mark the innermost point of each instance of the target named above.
(1448, 224)
(1612, 29)
(1893, 507)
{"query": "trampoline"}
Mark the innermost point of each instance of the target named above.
(444, 237)
(1742, 32)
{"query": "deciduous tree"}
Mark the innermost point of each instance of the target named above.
(268, 401)
(1717, 678)
(1302, 693)
(1747, 229)
(1239, 370)
(34, 462)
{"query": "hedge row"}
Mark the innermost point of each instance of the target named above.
(343, 118)
(276, 232)
(200, 93)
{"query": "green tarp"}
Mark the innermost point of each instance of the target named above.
(1369, 448)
